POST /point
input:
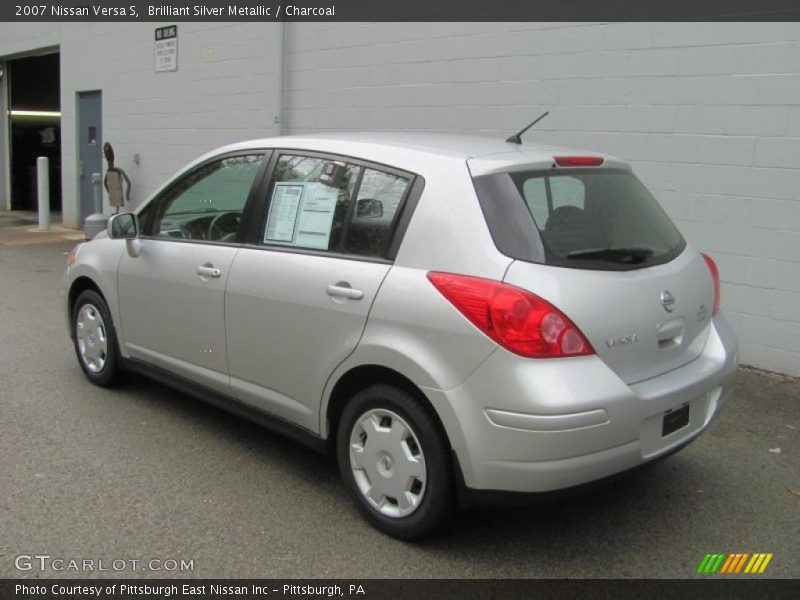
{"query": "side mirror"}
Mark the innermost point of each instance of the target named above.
(123, 226)
(369, 208)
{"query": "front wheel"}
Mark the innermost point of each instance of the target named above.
(395, 462)
(95, 339)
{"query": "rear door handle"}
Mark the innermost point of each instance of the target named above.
(208, 271)
(343, 290)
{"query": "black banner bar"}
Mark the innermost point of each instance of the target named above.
(398, 10)
(707, 588)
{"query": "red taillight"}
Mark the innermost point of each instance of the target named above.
(579, 161)
(712, 266)
(516, 319)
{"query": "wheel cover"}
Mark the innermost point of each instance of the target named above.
(90, 331)
(387, 462)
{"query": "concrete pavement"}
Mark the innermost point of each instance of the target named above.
(20, 228)
(143, 472)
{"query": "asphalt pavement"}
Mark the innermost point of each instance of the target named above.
(142, 472)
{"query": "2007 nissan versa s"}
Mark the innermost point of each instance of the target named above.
(453, 316)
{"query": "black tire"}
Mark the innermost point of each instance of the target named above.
(436, 506)
(111, 372)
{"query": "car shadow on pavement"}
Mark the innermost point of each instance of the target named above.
(232, 429)
(624, 516)
(583, 522)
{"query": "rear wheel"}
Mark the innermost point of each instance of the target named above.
(95, 339)
(395, 462)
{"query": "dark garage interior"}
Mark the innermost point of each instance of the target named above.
(35, 127)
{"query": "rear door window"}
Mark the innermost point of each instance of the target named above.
(303, 210)
(332, 205)
(379, 197)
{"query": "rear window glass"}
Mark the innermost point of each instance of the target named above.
(602, 219)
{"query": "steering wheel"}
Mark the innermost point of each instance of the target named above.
(174, 229)
(224, 226)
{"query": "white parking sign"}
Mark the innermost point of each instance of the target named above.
(167, 48)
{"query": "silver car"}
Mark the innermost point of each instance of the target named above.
(461, 320)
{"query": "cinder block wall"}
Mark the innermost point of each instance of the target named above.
(708, 113)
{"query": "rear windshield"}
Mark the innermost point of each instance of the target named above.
(588, 218)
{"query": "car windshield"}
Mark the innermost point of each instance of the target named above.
(598, 218)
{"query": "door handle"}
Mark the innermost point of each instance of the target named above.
(343, 290)
(208, 271)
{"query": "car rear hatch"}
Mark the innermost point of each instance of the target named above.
(590, 239)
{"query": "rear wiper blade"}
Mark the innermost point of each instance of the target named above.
(622, 255)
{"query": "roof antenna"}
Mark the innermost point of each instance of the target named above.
(517, 137)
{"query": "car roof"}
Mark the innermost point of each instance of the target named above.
(415, 150)
(455, 145)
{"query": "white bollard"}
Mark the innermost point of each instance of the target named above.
(43, 191)
(97, 193)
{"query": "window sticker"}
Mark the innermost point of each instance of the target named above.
(316, 216)
(301, 214)
(283, 212)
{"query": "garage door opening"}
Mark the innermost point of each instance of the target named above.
(34, 124)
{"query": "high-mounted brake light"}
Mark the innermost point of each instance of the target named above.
(712, 266)
(516, 319)
(579, 161)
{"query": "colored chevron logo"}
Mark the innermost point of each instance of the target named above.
(734, 563)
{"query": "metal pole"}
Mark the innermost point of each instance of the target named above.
(98, 193)
(280, 69)
(43, 191)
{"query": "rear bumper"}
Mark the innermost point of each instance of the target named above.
(518, 425)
